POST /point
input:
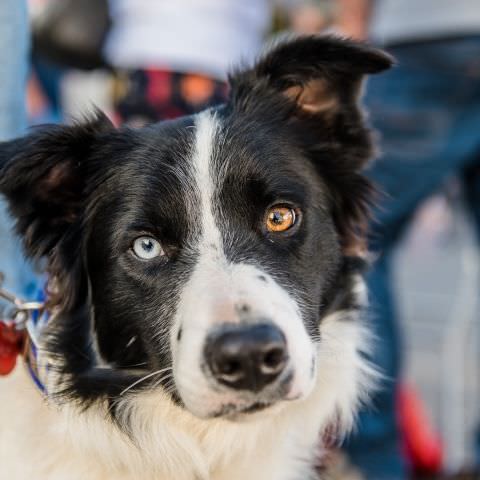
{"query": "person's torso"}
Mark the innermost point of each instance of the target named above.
(205, 36)
(397, 21)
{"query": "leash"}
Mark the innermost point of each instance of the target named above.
(21, 323)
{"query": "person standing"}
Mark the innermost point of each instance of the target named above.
(172, 58)
(427, 111)
(14, 52)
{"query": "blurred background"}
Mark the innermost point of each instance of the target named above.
(146, 60)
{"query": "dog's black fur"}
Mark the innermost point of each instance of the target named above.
(82, 193)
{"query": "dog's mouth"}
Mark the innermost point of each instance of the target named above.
(247, 405)
(234, 412)
(214, 401)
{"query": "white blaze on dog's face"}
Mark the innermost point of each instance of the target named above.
(234, 298)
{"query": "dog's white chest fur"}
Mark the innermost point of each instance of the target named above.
(56, 443)
(42, 442)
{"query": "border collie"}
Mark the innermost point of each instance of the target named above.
(205, 287)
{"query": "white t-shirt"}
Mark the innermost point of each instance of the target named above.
(203, 36)
(411, 20)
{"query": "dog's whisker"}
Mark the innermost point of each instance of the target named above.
(146, 377)
(159, 381)
(141, 364)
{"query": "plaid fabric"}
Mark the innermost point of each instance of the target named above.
(147, 96)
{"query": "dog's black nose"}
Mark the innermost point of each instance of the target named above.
(246, 357)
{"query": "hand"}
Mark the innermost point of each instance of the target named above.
(352, 18)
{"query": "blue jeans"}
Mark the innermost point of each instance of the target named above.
(427, 111)
(13, 73)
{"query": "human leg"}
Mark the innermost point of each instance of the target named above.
(418, 108)
(13, 72)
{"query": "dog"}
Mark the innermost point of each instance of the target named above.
(205, 288)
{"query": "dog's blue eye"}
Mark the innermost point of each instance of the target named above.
(147, 248)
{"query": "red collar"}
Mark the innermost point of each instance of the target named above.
(19, 325)
(12, 343)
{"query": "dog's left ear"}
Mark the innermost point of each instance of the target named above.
(43, 177)
(313, 85)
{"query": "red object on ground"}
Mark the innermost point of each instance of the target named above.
(11, 345)
(422, 444)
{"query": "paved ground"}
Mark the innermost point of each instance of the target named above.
(437, 277)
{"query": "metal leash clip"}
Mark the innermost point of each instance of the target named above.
(19, 311)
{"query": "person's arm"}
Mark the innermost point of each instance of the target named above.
(307, 17)
(353, 17)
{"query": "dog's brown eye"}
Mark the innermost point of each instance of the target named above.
(280, 218)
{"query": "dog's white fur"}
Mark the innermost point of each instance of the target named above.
(41, 440)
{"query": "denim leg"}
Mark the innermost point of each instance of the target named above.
(376, 447)
(425, 112)
(471, 186)
(13, 73)
(13, 67)
(477, 449)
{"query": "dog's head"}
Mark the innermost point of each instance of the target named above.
(201, 255)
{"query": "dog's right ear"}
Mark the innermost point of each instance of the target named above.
(320, 75)
(43, 176)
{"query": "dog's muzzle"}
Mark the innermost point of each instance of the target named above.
(246, 357)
